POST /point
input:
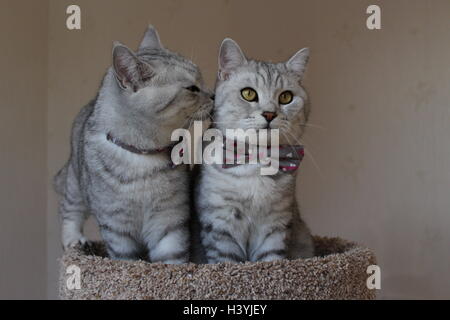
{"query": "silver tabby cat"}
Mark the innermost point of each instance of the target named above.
(241, 214)
(120, 167)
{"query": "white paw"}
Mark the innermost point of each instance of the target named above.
(74, 240)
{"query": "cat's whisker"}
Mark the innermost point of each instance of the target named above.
(307, 152)
(187, 122)
(208, 113)
(302, 139)
(288, 131)
(310, 145)
(312, 126)
(192, 54)
(219, 122)
(192, 119)
(314, 163)
(297, 139)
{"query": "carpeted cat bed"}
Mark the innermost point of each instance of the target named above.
(337, 272)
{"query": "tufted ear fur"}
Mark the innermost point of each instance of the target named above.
(298, 62)
(130, 71)
(230, 57)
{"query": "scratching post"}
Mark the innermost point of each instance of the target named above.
(337, 272)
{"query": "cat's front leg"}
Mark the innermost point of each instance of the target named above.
(166, 235)
(272, 245)
(220, 239)
(120, 244)
(73, 212)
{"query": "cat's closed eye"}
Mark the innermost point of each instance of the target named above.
(193, 88)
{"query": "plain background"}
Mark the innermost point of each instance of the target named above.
(23, 148)
(378, 163)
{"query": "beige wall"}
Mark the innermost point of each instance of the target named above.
(383, 98)
(23, 92)
(382, 161)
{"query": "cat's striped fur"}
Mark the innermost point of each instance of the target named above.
(140, 202)
(242, 215)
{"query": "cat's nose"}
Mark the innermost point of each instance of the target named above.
(269, 115)
(213, 97)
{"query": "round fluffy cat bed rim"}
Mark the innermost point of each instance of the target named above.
(338, 271)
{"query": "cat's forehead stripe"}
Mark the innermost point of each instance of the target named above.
(268, 74)
(168, 58)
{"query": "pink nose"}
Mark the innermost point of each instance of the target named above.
(269, 115)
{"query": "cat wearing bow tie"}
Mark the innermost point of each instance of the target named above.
(120, 167)
(241, 215)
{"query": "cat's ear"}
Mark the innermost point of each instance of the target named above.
(230, 57)
(151, 39)
(129, 70)
(298, 62)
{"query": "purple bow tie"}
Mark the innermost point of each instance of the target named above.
(289, 157)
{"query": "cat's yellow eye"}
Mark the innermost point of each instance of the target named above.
(249, 94)
(286, 97)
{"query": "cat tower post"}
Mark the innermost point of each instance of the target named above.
(337, 272)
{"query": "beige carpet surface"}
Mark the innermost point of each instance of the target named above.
(337, 272)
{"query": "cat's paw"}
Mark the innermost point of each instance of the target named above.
(174, 261)
(73, 241)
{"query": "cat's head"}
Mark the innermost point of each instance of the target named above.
(156, 92)
(253, 94)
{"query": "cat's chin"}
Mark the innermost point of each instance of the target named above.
(203, 113)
